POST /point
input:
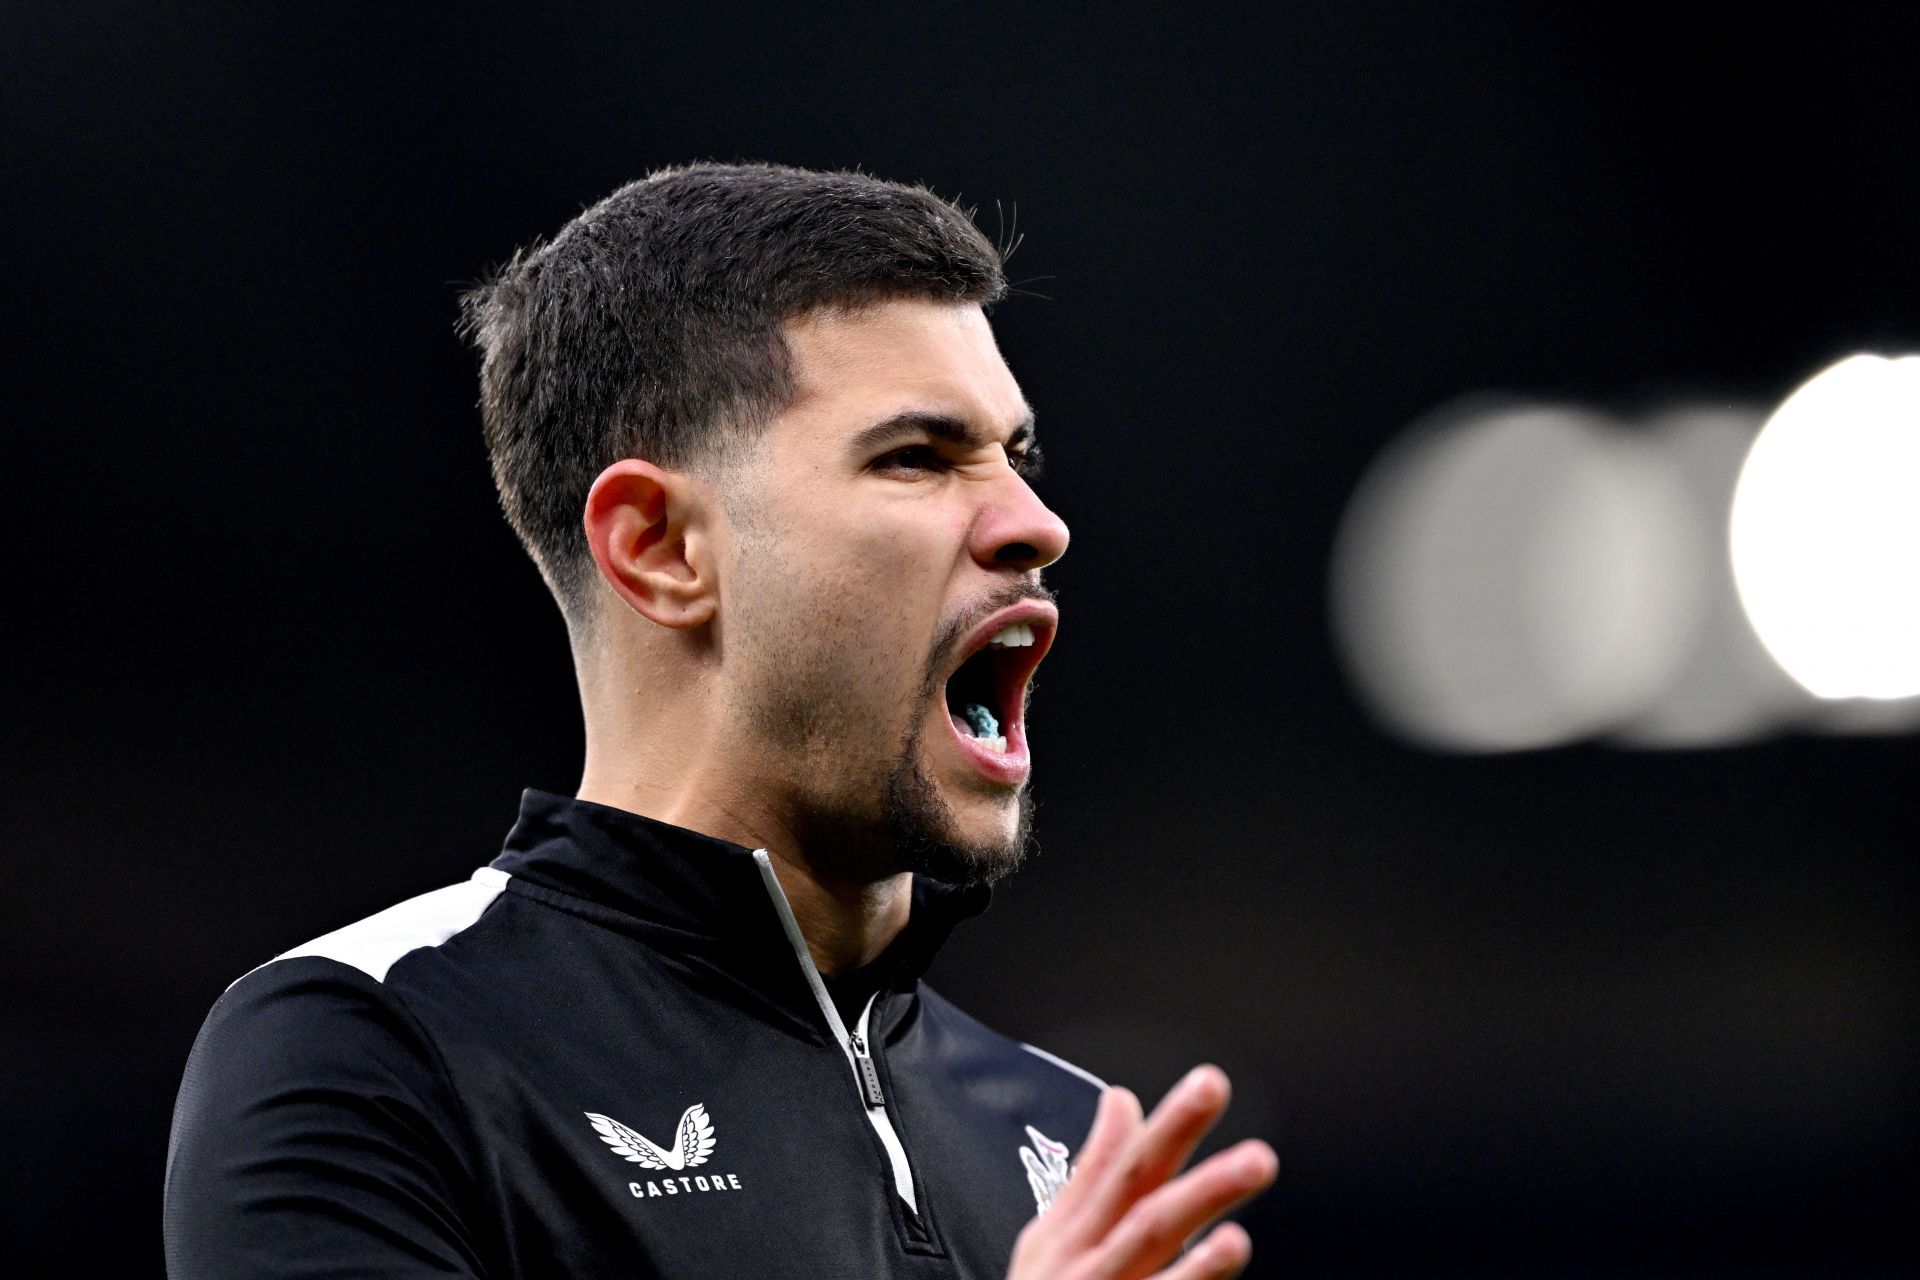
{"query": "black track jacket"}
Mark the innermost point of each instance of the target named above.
(608, 1053)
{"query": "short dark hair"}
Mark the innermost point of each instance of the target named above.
(650, 326)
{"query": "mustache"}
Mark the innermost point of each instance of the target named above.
(948, 640)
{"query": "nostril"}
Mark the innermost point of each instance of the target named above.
(1017, 553)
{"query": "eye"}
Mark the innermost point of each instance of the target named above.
(915, 457)
(1026, 461)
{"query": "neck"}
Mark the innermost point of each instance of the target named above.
(846, 926)
(668, 761)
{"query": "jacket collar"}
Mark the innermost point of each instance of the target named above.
(704, 892)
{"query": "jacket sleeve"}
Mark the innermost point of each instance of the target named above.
(316, 1134)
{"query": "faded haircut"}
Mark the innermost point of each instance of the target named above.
(650, 326)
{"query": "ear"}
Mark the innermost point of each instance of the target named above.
(644, 526)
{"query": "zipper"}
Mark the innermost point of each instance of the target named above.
(863, 1062)
(866, 1076)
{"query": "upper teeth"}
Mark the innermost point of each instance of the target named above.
(1017, 636)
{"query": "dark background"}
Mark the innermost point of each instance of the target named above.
(274, 662)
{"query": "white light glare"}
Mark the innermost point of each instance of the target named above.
(1826, 531)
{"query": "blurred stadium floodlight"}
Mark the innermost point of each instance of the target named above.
(1725, 689)
(1513, 576)
(1825, 530)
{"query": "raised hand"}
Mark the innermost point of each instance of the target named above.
(1123, 1215)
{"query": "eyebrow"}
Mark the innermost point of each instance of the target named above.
(917, 422)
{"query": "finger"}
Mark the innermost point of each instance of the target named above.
(1223, 1254)
(1116, 1120)
(1163, 1144)
(1153, 1230)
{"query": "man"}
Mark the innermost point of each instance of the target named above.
(752, 426)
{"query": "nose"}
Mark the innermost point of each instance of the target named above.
(1017, 530)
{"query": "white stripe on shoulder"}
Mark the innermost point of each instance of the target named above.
(375, 945)
(1066, 1066)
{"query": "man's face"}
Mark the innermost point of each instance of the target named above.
(885, 557)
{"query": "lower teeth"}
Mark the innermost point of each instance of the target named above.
(982, 727)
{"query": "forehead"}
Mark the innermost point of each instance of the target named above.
(852, 368)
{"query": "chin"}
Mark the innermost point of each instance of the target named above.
(975, 841)
(998, 825)
(964, 865)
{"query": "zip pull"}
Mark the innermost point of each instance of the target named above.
(869, 1075)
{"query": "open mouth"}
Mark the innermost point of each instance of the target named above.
(986, 694)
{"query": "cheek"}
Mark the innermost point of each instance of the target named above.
(906, 573)
(856, 593)
(911, 547)
(889, 588)
(844, 628)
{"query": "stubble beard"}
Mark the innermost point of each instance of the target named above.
(858, 815)
(866, 820)
(923, 831)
